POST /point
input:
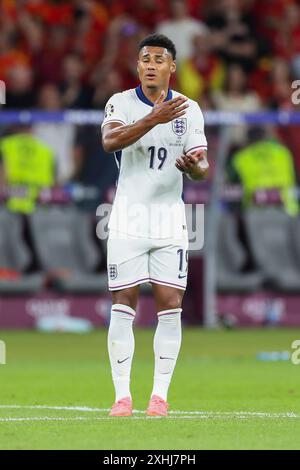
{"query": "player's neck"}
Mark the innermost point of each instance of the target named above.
(154, 93)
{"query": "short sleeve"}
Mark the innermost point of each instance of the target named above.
(115, 110)
(196, 137)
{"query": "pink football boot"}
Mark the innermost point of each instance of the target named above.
(122, 407)
(157, 407)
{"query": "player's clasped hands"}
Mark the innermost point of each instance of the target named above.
(186, 163)
(166, 111)
(191, 163)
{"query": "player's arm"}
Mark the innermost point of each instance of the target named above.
(194, 165)
(116, 136)
(194, 162)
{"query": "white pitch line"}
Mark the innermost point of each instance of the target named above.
(172, 414)
(64, 408)
(95, 418)
(109, 418)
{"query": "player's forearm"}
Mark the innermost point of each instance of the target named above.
(123, 136)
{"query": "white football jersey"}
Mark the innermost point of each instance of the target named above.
(148, 200)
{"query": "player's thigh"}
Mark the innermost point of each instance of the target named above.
(127, 296)
(127, 262)
(168, 263)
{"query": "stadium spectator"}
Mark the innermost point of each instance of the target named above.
(74, 92)
(236, 96)
(148, 13)
(20, 93)
(120, 54)
(11, 54)
(281, 99)
(286, 42)
(203, 72)
(90, 23)
(48, 55)
(59, 136)
(105, 86)
(234, 33)
(181, 29)
(280, 83)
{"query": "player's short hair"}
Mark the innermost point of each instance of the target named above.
(159, 40)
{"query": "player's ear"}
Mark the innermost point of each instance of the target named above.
(173, 67)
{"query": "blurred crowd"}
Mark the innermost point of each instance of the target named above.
(232, 54)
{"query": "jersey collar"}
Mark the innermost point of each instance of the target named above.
(144, 99)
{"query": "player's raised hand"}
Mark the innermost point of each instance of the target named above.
(166, 111)
(161, 98)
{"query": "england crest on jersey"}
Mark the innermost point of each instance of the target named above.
(179, 126)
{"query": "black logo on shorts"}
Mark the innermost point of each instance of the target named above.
(113, 272)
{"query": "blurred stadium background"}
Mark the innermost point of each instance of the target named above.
(60, 62)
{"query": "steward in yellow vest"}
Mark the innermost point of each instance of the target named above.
(28, 163)
(266, 164)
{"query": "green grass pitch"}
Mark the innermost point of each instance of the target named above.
(56, 388)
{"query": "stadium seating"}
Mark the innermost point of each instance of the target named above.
(296, 238)
(272, 236)
(66, 250)
(231, 258)
(15, 258)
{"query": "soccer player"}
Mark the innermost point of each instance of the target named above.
(156, 135)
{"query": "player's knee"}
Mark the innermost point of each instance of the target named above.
(170, 303)
(125, 298)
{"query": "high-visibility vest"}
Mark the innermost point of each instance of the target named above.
(27, 162)
(264, 165)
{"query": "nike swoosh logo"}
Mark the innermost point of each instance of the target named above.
(172, 359)
(120, 362)
(181, 277)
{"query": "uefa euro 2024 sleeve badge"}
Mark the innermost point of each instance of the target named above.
(109, 109)
(179, 126)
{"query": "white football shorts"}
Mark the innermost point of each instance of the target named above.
(134, 260)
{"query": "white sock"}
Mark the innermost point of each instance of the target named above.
(167, 342)
(121, 348)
